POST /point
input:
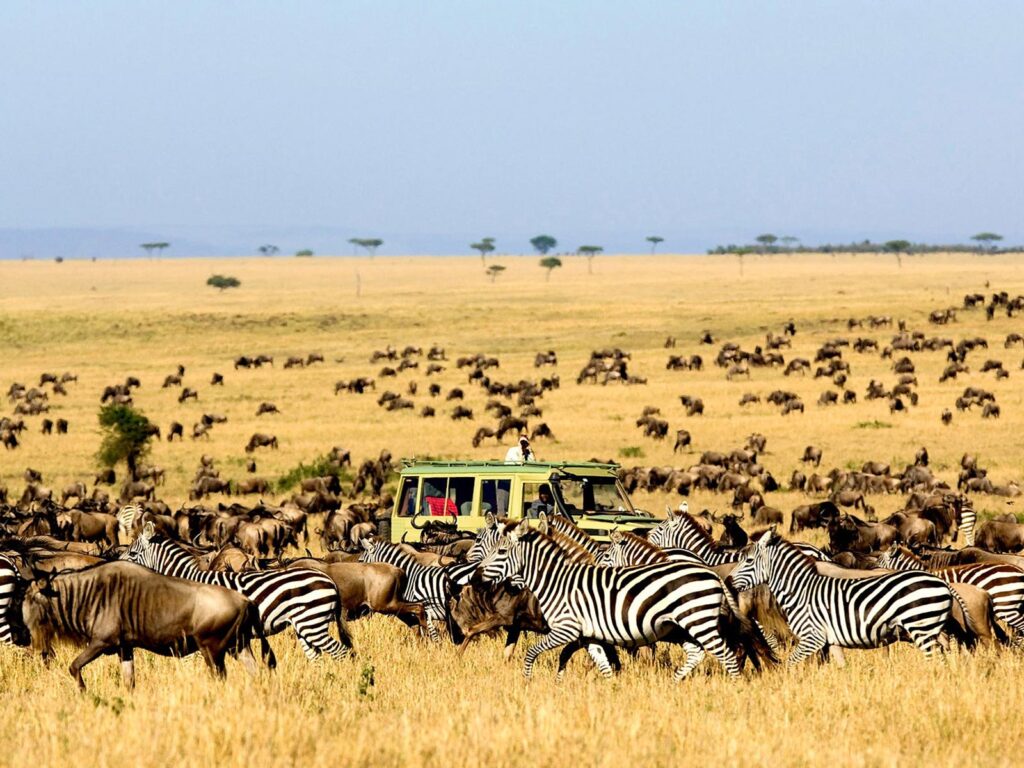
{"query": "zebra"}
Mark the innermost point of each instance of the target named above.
(570, 530)
(1003, 582)
(850, 613)
(423, 584)
(680, 530)
(302, 598)
(968, 518)
(629, 607)
(9, 587)
(630, 549)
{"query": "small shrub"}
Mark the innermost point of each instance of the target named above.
(875, 424)
(631, 452)
(321, 466)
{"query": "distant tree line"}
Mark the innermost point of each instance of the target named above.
(984, 242)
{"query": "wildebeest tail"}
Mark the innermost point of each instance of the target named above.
(742, 634)
(339, 617)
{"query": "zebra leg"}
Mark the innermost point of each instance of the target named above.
(771, 638)
(560, 635)
(600, 658)
(807, 646)
(694, 656)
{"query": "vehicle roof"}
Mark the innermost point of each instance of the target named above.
(415, 466)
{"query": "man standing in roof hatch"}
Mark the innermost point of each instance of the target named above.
(521, 453)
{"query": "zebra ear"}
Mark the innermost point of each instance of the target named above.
(615, 536)
(542, 525)
(367, 544)
(490, 520)
(148, 530)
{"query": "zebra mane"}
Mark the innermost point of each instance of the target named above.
(559, 541)
(691, 523)
(575, 551)
(639, 542)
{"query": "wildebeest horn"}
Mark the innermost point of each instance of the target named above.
(404, 534)
(413, 523)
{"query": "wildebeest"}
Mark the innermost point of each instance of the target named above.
(118, 607)
(997, 536)
(812, 454)
(260, 440)
(481, 607)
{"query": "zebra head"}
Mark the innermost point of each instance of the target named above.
(896, 558)
(756, 566)
(142, 551)
(667, 533)
(369, 553)
(486, 540)
(614, 555)
(505, 560)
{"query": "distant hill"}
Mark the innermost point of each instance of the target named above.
(86, 243)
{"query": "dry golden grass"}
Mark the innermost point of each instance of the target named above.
(106, 320)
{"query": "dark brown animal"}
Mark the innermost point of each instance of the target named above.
(118, 607)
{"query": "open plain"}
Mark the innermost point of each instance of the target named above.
(403, 701)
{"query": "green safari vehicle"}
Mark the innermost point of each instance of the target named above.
(465, 491)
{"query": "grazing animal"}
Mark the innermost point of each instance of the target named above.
(812, 454)
(849, 613)
(118, 607)
(307, 601)
(260, 440)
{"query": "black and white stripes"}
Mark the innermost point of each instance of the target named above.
(304, 599)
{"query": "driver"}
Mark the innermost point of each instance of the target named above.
(543, 503)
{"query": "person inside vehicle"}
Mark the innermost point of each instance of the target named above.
(543, 503)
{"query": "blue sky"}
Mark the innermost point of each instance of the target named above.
(431, 124)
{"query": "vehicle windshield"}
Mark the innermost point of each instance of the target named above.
(592, 495)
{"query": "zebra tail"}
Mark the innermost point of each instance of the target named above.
(256, 624)
(739, 631)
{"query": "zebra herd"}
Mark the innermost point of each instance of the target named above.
(675, 586)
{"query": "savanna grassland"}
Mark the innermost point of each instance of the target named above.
(403, 701)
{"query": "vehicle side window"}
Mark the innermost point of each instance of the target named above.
(407, 506)
(494, 497)
(435, 498)
(536, 499)
(460, 493)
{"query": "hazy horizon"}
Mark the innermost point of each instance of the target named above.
(219, 127)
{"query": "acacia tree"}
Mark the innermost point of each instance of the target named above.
(305, 252)
(987, 239)
(371, 244)
(550, 263)
(766, 240)
(590, 251)
(788, 241)
(898, 248)
(654, 240)
(126, 436)
(494, 271)
(543, 243)
(268, 250)
(223, 282)
(150, 247)
(485, 246)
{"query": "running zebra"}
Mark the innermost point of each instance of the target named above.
(429, 586)
(851, 613)
(628, 607)
(1004, 583)
(302, 598)
(680, 531)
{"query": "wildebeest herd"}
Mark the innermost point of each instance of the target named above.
(115, 568)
